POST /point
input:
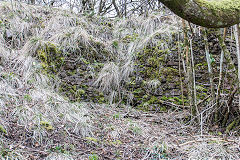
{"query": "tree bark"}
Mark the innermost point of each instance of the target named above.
(207, 13)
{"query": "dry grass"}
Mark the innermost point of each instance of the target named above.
(31, 110)
(109, 77)
(130, 36)
(153, 83)
(38, 120)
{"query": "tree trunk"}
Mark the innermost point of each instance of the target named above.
(207, 13)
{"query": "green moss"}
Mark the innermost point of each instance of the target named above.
(150, 104)
(218, 7)
(151, 64)
(93, 157)
(72, 91)
(163, 109)
(28, 98)
(116, 116)
(74, 87)
(101, 94)
(72, 72)
(130, 38)
(164, 98)
(91, 139)
(85, 61)
(138, 92)
(209, 13)
(68, 35)
(201, 92)
(1, 24)
(98, 65)
(2, 130)
(201, 66)
(145, 96)
(80, 92)
(132, 83)
(61, 115)
(177, 100)
(115, 44)
(51, 48)
(116, 143)
(201, 88)
(230, 126)
(101, 100)
(42, 55)
(50, 56)
(49, 128)
(46, 125)
(169, 71)
(151, 60)
(143, 106)
(153, 100)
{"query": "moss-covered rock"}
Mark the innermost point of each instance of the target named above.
(51, 58)
(74, 69)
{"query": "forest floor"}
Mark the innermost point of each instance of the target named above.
(126, 133)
